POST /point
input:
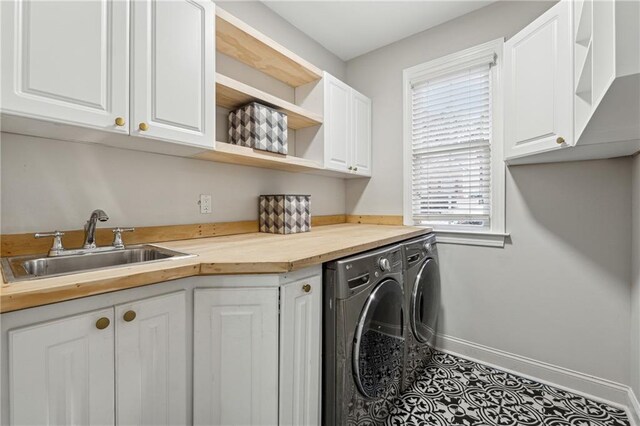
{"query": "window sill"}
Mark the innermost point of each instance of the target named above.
(470, 238)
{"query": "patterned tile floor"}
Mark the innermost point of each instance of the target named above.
(455, 391)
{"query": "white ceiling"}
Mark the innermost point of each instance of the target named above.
(352, 28)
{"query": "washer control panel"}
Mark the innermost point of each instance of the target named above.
(384, 264)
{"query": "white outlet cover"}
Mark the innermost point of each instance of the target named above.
(205, 204)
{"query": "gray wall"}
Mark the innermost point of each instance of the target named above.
(635, 277)
(49, 184)
(559, 291)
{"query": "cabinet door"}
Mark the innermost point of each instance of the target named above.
(151, 373)
(235, 374)
(61, 372)
(66, 61)
(538, 85)
(173, 71)
(361, 129)
(300, 319)
(337, 118)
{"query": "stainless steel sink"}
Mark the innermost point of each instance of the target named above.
(22, 268)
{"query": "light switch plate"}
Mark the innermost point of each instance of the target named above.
(205, 204)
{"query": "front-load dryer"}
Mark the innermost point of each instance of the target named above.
(422, 304)
(363, 337)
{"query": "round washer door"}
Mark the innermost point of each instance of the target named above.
(425, 300)
(378, 346)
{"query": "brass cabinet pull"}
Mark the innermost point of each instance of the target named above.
(306, 288)
(560, 140)
(120, 121)
(129, 316)
(143, 127)
(102, 323)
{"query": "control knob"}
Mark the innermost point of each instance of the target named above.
(427, 247)
(384, 264)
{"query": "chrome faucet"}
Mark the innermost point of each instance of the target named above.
(90, 228)
(89, 245)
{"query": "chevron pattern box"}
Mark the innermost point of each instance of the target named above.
(260, 127)
(285, 214)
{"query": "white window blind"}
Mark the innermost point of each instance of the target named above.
(451, 149)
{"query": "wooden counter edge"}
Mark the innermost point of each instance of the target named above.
(43, 296)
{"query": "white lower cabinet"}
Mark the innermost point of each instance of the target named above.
(151, 351)
(235, 375)
(124, 366)
(300, 349)
(248, 347)
(61, 371)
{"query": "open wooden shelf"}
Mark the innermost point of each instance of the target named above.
(236, 154)
(244, 43)
(241, 155)
(233, 94)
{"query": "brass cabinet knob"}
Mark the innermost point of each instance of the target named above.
(355, 169)
(560, 140)
(102, 323)
(143, 127)
(120, 121)
(129, 316)
(350, 167)
(306, 288)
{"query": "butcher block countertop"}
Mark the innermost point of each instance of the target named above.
(253, 253)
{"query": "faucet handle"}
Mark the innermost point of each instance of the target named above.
(117, 236)
(57, 247)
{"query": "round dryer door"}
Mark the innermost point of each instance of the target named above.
(378, 346)
(425, 299)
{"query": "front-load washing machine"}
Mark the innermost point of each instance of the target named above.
(422, 304)
(363, 337)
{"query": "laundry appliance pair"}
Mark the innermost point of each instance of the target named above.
(380, 317)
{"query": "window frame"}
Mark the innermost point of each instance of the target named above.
(495, 235)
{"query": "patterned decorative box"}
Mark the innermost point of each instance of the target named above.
(285, 214)
(258, 126)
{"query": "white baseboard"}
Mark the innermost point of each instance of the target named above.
(634, 408)
(595, 388)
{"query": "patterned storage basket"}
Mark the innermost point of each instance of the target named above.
(285, 214)
(258, 126)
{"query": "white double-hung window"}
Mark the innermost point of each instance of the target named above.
(454, 168)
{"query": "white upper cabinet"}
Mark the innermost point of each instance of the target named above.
(151, 351)
(62, 371)
(361, 128)
(538, 85)
(235, 373)
(143, 68)
(347, 128)
(574, 74)
(337, 119)
(300, 348)
(173, 80)
(67, 62)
